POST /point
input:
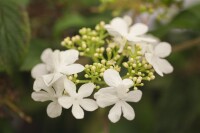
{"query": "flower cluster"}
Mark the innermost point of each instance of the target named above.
(114, 49)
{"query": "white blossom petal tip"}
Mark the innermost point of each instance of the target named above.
(112, 77)
(138, 29)
(54, 110)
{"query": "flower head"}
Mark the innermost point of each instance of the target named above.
(49, 93)
(56, 64)
(155, 57)
(121, 30)
(78, 100)
(117, 94)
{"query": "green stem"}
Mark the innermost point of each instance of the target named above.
(120, 60)
(19, 112)
(84, 81)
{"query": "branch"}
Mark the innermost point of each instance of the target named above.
(17, 110)
(186, 45)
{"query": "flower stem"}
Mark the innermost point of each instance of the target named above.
(15, 109)
(106, 124)
(186, 45)
(120, 60)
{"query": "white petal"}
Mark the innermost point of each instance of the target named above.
(119, 25)
(39, 84)
(128, 111)
(71, 69)
(69, 56)
(153, 61)
(138, 29)
(107, 90)
(112, 77)
(46, 56)
(149, 58)
(41, 96)
(54, 109)
(70, 87)
(163, 65)
(115, 113)
(134, 96)
(128, 20)
(65, 102)
(56, 59)
(112, 31)
(128, 83)
(121, 41)
(59, 86)
(77, 111)
(88, 104)
(141, 39)
(51, 78)
(86, 90)
(106, 97)
(39, 70)
(163, 49)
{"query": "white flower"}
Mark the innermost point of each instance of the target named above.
(56, 64)
(121, 30)
(155, 57)
(118, 94)
(78, 100)
(49, 93)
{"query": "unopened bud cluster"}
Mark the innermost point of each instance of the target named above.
(88, 40)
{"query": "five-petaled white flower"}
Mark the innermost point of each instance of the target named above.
(155, 57)
(49, 93)
(78, 101)
(118, 93)
(56, 64)
(121, 30)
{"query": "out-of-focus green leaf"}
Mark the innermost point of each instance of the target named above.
(14, 35)
(33, 57)
(75, 20)
(188, 19)
(24, 2)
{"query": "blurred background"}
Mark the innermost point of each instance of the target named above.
(170, 104)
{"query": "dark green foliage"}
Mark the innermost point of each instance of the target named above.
(14, 35)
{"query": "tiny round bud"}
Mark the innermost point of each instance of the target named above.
(93, 68)
(101, 74)
(125, 64)
(134, 65)
(152, 77)
(81, 53)
(70, 77)
(134, 78)
(103, 61)
(131, 59)
(75, 75)
(108, 49)
(139, 73)
(138, 80)
(86, 66)
(129, 47)
(63, 43)
(86, 76)
(84, 45)
(96, 54)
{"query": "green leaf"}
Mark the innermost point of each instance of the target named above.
(187, 19)
(14, 35)
(33, 57)
(76, 20)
